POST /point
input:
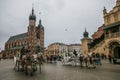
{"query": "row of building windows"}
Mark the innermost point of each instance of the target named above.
(16, 43)
(109, 18)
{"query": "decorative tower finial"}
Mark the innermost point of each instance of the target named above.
(32, 16)
(85, 29)
(39, 25)
(104, 10)
(32, 9)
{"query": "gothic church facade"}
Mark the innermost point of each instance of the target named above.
(32, 38)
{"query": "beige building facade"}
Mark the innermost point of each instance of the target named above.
(57, 49)
(76, 47)
(108, 42)
(62, 49)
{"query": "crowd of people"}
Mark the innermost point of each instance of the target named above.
(90, 60)
(85, 60)
(53, 58)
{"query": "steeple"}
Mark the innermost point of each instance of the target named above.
(39, 25)
(104, 10)
(32, 16)
(85, 34)
(40, 22)
(32, 11)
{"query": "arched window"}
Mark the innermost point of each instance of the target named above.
(16, 43)
(20, 42)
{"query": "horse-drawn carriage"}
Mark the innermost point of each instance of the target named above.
(28, 63)
(72, 60)
(88, 60)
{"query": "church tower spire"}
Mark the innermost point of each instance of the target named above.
(85, 34)
(32, 16)
(32, 11)
(104, 11)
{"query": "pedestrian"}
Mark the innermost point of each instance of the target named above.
(98, 59)
(22, 52)
(81, 60)
(110, 58)
(93, 60)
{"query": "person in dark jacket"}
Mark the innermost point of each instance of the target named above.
(22, 52)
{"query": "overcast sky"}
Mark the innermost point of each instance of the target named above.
(63, 20)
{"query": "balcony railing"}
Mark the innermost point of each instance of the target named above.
(113, 35)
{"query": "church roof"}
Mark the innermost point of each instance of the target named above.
(17, 37)
(99, 33)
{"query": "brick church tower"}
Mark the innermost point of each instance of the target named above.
(40, 36)
(35, 34)
(32, 32)
(33, 38)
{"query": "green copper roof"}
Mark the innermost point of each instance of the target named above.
(17, 37)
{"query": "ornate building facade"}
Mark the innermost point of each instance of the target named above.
(107, 39)
(62, 49)
(32, 38)
(76, 47)
(57, 49)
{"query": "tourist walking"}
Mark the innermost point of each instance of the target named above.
(110, 58)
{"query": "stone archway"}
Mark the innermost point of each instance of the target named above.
(114, 49)
(117, 52)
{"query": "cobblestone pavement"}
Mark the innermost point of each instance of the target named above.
(59, 72)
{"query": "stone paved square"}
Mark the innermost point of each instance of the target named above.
(59, 72)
